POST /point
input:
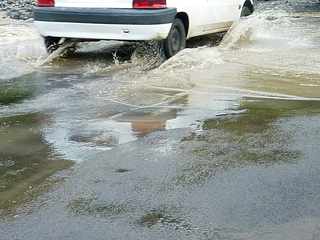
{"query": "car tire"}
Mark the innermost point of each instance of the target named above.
(176, 40)
(246, 11)
(51, 43)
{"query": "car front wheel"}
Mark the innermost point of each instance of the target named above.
(246, 11)
(176, 40)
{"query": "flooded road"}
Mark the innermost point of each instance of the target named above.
(219, 142)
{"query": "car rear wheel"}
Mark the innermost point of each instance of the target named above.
(51, 43)
(176, 40)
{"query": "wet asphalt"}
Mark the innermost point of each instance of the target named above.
(219, 142)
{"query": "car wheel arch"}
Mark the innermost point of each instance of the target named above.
(249, 4)
(185, 19)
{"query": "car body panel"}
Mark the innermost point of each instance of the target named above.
(205, 17)
(104, 31)
(94, 3)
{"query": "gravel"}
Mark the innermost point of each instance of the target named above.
(18, 9)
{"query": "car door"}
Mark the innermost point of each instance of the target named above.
(222, 13)
(197, 14)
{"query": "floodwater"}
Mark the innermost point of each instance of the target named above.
(219, 142)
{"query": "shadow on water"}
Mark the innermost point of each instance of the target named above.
(29, 86)
(26, 161)
(255, 137)
(261, 114)
(211, 40)
(10, 95)
(94, 52)
(15, 91)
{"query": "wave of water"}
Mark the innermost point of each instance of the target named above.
(268, 30)
(21, 49)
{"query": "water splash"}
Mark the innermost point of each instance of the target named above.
(147, 56)
(59, 52)
(21, 49)
(264, 31)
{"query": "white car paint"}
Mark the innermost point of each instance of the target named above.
(104, 31)
(94, 3)
(205, 17)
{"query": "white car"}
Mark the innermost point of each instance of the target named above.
(170, 21)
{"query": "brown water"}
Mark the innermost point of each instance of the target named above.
(247, 107)
(26, 160)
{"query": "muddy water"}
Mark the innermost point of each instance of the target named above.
(245, 113)
(26, 159)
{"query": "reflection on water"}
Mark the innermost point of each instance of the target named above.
(145, 122)
(260, 114)
(253, 138)
(15, 91)
(9, 95)
(26, 160)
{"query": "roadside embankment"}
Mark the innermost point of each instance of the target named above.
(17, 9)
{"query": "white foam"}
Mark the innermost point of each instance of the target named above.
(21, 48)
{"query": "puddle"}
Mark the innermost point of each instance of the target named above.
(259, 115)
(92, 207)
(100, 98)
(26, 160)
(253, 138)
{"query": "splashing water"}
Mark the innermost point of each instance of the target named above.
(272, 29)
(148, 55)
(21, 49)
